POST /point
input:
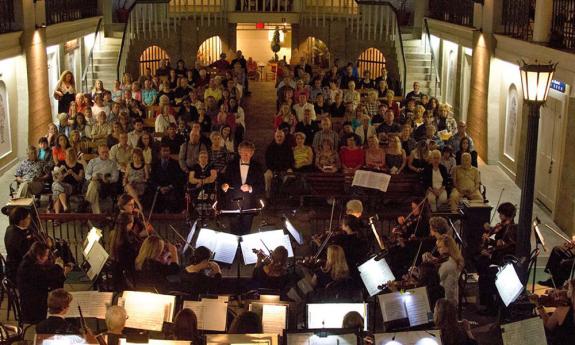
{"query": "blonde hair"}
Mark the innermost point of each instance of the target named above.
(336, 263)
(454, 252)
(63, 77)
(152, 247)
(435, 154)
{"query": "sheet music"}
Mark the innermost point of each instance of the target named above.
(272, 239)
(392, 306)
(274, 318)
(417, 306)
(330, 315)
(224, 245)
(413, 305)
(431, 337)
(294, 232)
(508, 284)
(147, 310)
(371, 179)
(157, 342)
(525, 332)
(241, 339)
(94, 304)
(97, 257)
(312, 339)
(211, 313)
(373, 273)
(58, 339)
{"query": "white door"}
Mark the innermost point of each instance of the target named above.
(548, 149)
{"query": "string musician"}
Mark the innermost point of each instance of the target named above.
(17, 240)
(123, 247)
(560, 264)
(560, 325)
(156, 261)
(271, 271)
(498, 242)
(331, 280)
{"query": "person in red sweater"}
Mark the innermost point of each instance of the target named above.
(352, 156)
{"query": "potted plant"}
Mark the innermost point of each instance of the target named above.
(275, 44)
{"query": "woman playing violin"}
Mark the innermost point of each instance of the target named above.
(124, 246)
(335, 268)
(154, 264)
(561, 324)
(271, 272)
(450, 267)
(127, 204)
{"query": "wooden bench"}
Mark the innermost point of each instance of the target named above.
(401, 189)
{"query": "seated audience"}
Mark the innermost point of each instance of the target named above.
(121, 153)
(464, 146)
(30, 175)
(136, 176)
(395, 158)
(461, 133)
(44, 151)
(435, 178)
(59, 150)
(466, 182)
(302, 154)
(308, 127)
(327, 158)
(279, 159)
(102, 175)
(447, 159)
(351, 156)
(374, 154)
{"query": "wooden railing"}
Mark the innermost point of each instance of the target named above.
(517, 18)
(453, 11)
(7, 17)
(59, 11)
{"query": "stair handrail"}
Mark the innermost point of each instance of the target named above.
(433, 64)
(119, 62)
(402, 50)
(90, 63)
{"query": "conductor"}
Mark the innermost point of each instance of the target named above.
(243, 184)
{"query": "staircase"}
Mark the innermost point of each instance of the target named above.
(105, 61)
(419, 67)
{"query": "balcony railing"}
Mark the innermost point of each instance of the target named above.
(59, 11)
(563, 26)
(453, 11)
(7, 23)
(517, 18)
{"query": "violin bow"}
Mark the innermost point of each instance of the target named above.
(496, 207)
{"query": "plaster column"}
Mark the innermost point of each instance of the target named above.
(543, 20)
(34, 43)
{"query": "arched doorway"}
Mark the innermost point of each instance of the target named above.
(372, 60)
(151, 58)
(209, 51)
(316, 52)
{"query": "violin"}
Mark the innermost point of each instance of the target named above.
(265, 258)
(405, 223)
(551, 298)
(311, 263)
(489, 231)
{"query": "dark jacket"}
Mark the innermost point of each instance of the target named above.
(56, 325)
(170, 175)
(154, 276)
(279, 157)
(17, 243)
(34, 282)
(428, 176)
(233, 177)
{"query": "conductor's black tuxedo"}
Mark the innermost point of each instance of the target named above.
(246, 200)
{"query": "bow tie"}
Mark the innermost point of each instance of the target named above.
(248, 164)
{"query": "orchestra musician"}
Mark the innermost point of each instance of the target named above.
(334, 270)
(561, 323)
(560, 264)
(202, 276)
(37, 275)
(116, 317)
(354, 320)
(127, 204)
(243, 183)
(497, 243)
(154, 264)
(453, 332)
(450, 267)
(58, 306)
(186, 326)
(247, 322)
(17, 239)
(270, 271)
(124, 245)
(353, 244)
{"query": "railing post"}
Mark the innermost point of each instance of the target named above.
(543, 19)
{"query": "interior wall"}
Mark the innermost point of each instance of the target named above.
(257, 44)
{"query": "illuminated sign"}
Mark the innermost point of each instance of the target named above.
(557, 85)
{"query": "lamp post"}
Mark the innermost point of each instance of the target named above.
(535, 80)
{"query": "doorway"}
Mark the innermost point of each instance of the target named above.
(551, 134)
(53, 53)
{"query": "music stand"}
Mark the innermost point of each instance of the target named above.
(539, 239)
(264, 241)
(293, 231)
(508, 284)
(340, 336)
(330, 315)
(375, 273)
